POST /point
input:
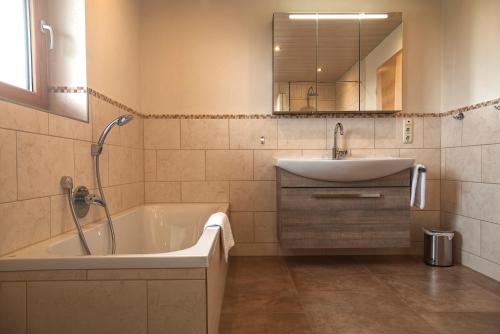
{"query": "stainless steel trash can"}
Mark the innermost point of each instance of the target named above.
(438, 247)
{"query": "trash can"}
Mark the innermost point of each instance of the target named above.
(438, 247)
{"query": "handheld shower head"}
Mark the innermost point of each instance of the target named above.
(121, 120)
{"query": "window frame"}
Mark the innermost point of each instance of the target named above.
(37, 97)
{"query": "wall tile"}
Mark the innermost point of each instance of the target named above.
(246, 133)
(421, 219)
(266, 227)
(242, 226)
(372, 152)
(358, 132)
(102, 114)
(17, 117)
(450, 196)
(229, 165)
(179, 305)
(491, 163)
(85, 166)
(132, 195)
(428, 157)
(302, 133)
(114, 199)
(203, 192)
(137, 165)
(264, 162)
(480, 201)
(490, 247)
(24, 223)
(41, 161)
(8, 168)
(317, 154)
(13, 307)
(253, 195)
(61, 220)
(120, 165)
(389, 133)
(150, 165)
(113, 306)
(467, 236)
(69, 128)
(177, 165)
(162, 134)
(463, 163)
(433, 195)
(451, 132)
(432, 132)
(132, 134)
(481, 126)
(204, 133)
(163, 192)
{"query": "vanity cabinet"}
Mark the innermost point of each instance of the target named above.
(321, 214)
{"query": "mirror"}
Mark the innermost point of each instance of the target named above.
(337, 62)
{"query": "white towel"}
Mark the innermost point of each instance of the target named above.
(418, 179)
(220, 219)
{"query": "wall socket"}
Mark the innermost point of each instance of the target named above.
(407, 131)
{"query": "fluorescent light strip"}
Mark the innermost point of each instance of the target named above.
(338, 16)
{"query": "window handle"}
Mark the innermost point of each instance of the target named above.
(46, 27)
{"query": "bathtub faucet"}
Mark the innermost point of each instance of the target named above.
(94, 200)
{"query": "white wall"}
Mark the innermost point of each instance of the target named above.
(207, 57)
(471, 52)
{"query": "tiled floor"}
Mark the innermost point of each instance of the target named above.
(360, 294)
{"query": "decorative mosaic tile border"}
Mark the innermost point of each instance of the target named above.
(124, 107)
(66, 89)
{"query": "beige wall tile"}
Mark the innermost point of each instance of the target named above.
(137, 165)
(432, 195)
(490, 247)
(491, 163)
(13, 307)
(113, 306)
(120, 165)
(61, 220)
(484, 266)
(420, 219)
(69, 128)
(450, 196)
(8, 167)
(468, 232)
(480, 201)
(102, 113)
(242, 226)
(204, 133)
(358, 132)
(253, 195)
(428, 157)
(85, 165)
(443, 164)
(150, 165)
(202, 192)
(264, 162)
(481, 126)
(17, 117)
(132, 134)
(317, 154)
(24, 223)
(41, 161)
(114, 199)
(374, 152)
(451, 132)
(266, 227)
(163, 192)
(162, 134)
(302, 133)
(132, 195)
(229, 164)
(389, 133)
(246, 133)
(463, 163)
(177, 165)
(179, 305)
(432, 132)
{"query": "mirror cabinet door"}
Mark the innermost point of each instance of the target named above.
(294, 64)
(381, 75)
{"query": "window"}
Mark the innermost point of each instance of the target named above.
(23, 60)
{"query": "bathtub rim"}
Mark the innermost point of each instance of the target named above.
(196, 256)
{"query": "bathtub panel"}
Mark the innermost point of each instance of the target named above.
(13, 307)
(149, 274)
(177, 306)
(98, 307)
(216, 281)
(42, 275)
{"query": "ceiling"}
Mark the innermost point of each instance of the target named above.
(340, 43)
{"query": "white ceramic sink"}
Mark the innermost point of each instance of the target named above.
(345, 170)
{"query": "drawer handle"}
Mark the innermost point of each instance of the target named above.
(346, 195)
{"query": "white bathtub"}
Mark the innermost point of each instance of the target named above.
(149, 236)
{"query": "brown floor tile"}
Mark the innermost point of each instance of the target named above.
(427, 282)
(329, 265)
(322, 281)
(464, 323)
(395, 264)
(284, 323)
(285, 301)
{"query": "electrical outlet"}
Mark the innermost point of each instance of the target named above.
(407, 131)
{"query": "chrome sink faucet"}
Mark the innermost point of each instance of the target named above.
(338, 154)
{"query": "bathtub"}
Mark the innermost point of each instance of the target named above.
(168, 272)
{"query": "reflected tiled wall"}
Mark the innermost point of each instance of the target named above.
(471, 187)
(220, 160)
(37, 148)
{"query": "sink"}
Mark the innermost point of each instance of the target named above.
(345, 170)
